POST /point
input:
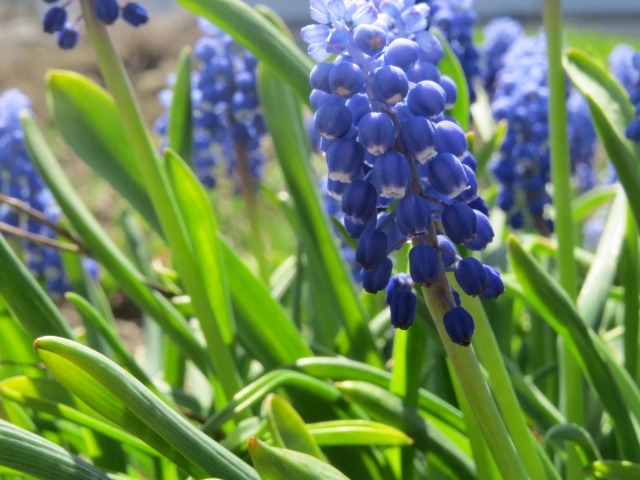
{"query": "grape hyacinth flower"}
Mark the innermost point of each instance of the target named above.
(399, 166)
(632, 131)
(522, 164)
(20, 181)
(55, 19)
(499, 35)
(227, 116)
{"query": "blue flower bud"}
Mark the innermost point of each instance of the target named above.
(54, 19)
(419, 138)
(632, 132)
(470, 161)
(377, 279)
(68, 37)
(332, 120)
(415, 17)
(459, 222)
(484, 233)
(359, 201)
(451, 138)
(317, 98)
(430, 49)
(372, 248)
(397, 283)
(389, 85)
(134, 14)
(396, 239)
(345, 158)
(355, 230)
(337, 42)
(346, 79)
(459, 326)
(470, 193)
(403, 309)
(424, 264)
(319, 76)
(450, 90)
(423, 71)
(401, 53)
(446, 175)
(456, 297)
(376, 132)
(391, 174)
(447, 251)
(495, 285)
(471, 276)
(359, 106)
(426, 99)
(413, 215)
(107, 11)
(314, 33)
(370, 39)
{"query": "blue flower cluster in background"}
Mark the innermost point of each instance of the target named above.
(499, 35)
(521, 97)
(399, 166)
(630, 78)
(19, 180)
(228, 122)
(56, 20)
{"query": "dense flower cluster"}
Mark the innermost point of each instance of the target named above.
(399, 166)
(20, 180)
(499, 35)
(522, 164)
(226, 109)
(55, 20)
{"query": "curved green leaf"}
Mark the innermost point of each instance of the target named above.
(578, 435)
(281, 464)
(262, 37)
(287, 427)
(357, 432)
(614, 470)
(180, 123)
(85, 115)
(77, 367)
(33, 455)
(387, 408)
(543, 292)
(611, 112)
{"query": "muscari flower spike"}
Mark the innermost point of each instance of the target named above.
(522, 163)
(55, 19)
(20, 181)
(226, 109)
(625, 63)
(397, 163)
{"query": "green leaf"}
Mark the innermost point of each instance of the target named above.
(578, 435)
(85, 115)
(614, 470)
(586, 204)
(450, 65)
(284, 120)
(611, 112)
(50, 397)
(180, 123)
(596, 286)
(262, 37)
(387, 408)
(26, 298)
(288, 428)
(281, 464)
(77, 366)
(543, 292)
(33, 455)
(357, 432)
(105, 250)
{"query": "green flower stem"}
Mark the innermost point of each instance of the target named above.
(152, 170)
(571, 398)
(489, 352)
(252, 210)
(630, 268)
(439, 299)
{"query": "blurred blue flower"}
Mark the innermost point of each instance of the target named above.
(226, 109)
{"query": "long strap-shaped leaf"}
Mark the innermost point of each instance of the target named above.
(611, 112)
(31, 454)
(64, 358)
(561, 314)
(28, 301)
